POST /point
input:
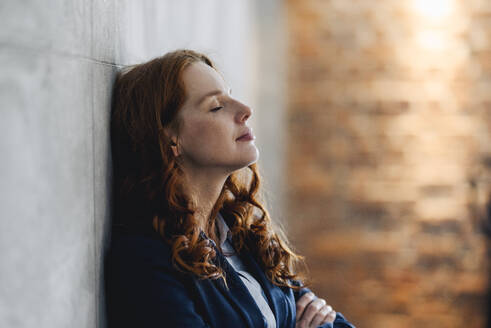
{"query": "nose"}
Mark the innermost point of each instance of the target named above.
(244, 113)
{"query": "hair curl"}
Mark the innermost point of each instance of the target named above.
(148, 180)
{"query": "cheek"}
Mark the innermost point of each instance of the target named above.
(200, 131)
(207, 134)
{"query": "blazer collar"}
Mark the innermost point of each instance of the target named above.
(268, 287)
(237, 293)
(254, 269)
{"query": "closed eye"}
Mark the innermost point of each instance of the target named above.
(216, 109)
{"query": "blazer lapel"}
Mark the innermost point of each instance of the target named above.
(273, 294)
(270, 290)
(238, 294)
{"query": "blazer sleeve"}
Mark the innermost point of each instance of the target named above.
(142, 293)
(339, 322)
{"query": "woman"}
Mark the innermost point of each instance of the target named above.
(192, 246)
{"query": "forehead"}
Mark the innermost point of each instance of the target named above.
(200, 79)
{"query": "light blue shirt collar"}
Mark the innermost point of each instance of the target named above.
(223, 229)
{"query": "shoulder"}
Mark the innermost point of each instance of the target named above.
(143, 289)
(147, 248)
(139, 266)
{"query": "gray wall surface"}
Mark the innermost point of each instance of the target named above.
(58, 61)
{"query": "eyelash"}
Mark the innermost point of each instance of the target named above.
(216, 109)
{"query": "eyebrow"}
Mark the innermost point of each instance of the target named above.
(212, 93)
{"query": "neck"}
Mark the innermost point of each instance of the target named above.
(205, 186)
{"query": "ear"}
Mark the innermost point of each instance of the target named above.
(175, 151)
(173, 137)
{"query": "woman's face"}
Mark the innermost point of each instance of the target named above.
(211, 123)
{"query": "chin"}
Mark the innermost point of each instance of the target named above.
(246, 159)
(245, 163)
(254, 156)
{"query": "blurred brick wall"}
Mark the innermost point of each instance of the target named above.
(389, 120)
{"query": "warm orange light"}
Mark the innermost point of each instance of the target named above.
(434, 10)
(433, 40)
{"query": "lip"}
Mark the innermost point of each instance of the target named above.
(246, 136)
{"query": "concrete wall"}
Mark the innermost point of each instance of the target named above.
(59, 59)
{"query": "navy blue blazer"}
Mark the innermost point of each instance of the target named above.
(144, 290)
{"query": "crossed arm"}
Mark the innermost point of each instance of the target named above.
(313, 312)
(159, 298)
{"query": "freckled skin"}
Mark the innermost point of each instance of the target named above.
(207, 139)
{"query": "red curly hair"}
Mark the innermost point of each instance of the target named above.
(148, 180)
